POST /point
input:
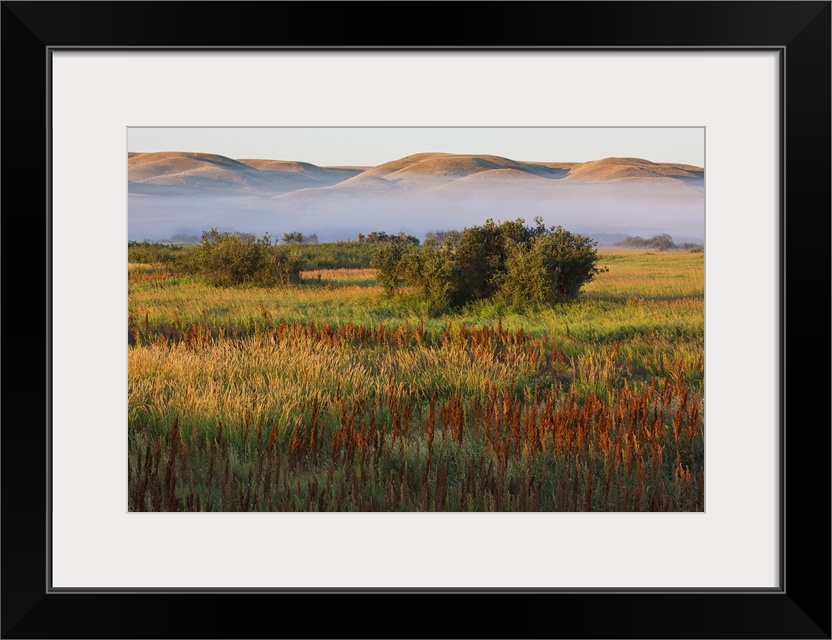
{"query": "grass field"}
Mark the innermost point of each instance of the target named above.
(332, 396)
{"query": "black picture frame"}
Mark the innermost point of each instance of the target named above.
(799, 608)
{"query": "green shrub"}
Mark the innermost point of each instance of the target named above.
(508, 260)
(660, 242)
(479, 263)
(336, 255)
(382, 237)
(430, 271)
(389, 260)
(149, 252)
(226, 259)
(552, 267)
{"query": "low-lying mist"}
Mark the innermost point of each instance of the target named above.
(343, 211)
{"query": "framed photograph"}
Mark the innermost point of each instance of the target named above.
(660, 505)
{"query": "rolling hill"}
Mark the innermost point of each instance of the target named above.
(186, 191)
(196, 172)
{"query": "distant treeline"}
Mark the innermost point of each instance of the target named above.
(181, 249)
(292, 236)
(235, 258)
(659, 242)
(380, 237)
(325, 255)
(149, 252)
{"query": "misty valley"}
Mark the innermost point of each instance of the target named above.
(172, 193)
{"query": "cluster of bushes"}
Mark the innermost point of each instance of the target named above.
(381, 237)
(297, 237)
(250, 257)
(444, 236)
(508, 260)
(659, 242)
(336, 255)
(232, 258)
(149, 252)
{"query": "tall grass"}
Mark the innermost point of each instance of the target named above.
(491, 451)
(332, 396)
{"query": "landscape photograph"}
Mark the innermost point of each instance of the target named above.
(416, 319)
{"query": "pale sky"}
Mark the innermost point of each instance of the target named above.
(336, 146)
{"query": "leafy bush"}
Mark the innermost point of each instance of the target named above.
(293, 236)
(336, 255)
(480, 256)
(509, 260)
(381, 237)
(389, 260)
(298, 238)
(170, 254)
(660, 242)
(430, 270)
(552, 267)
(231, 258)
(444, 237)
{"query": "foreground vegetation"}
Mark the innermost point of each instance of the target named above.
(333, 395)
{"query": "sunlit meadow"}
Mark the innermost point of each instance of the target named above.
(331, 395)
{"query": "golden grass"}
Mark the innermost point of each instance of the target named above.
(493, 451)
(332, 396)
